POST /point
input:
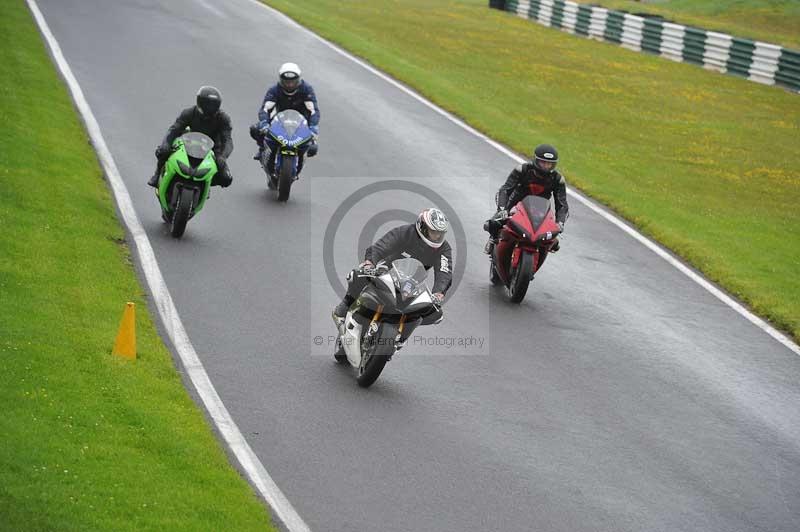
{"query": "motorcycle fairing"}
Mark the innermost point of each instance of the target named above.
(536, 210)
(350, 336)
(191, 165)
(290, 130)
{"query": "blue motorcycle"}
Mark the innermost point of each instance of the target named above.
(289, 138)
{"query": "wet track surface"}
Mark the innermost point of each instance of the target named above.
(619, 395)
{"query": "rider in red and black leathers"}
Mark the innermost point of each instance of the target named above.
(538, 177)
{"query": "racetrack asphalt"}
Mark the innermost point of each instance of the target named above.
(619, 396)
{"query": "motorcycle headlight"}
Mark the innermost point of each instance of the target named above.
(201, 172)
(518, 229)
(185, 169)
(279, 138)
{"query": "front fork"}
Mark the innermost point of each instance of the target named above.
(517, 253)
(372, 329)
(286, 156)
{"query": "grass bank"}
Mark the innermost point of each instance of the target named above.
(773, 21)
(707, 164)
(87, 441)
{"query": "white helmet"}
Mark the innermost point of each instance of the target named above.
(432, 225)
(289, 77)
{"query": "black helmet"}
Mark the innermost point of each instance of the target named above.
(289, 77)
(545, 159)
(432, 225)
(208, 100)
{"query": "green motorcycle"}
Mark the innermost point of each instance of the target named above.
(186, 180)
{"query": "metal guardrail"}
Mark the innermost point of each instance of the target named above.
(757, 61)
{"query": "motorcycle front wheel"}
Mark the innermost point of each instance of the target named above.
(285, 178)
(182, 211)
(374, 360)
(520, 278)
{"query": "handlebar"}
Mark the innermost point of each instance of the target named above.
(374, 271)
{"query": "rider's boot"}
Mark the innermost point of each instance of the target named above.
(489, 246)
(341, 309)
(260, 152)
(153, 181)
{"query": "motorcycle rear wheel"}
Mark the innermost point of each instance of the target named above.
(520, 278)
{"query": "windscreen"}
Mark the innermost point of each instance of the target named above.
(537, 208)
(410, 269)
(291, 120)
(197, 145)
(409, 276)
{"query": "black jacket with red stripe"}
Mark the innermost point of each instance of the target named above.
(524, 181)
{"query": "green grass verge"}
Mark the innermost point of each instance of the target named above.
(772, 21)
(705, 163)
(88, 441)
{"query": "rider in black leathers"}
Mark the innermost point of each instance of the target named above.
(538, 177)
(207, 118)
(423, 240)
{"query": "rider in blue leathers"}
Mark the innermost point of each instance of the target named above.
(291, 92)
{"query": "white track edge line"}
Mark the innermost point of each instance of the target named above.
(650, 244)
(166, 308)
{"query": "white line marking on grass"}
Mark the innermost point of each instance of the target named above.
(166, 308)
(655, 248)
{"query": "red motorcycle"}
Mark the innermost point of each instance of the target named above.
(525, 240)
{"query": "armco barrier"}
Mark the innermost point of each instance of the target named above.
(757, 61)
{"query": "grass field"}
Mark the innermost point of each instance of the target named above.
(773, 21)
(705, 163)
(87, 441)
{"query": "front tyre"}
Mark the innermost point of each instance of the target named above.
(520, 278)
(182, 212)
(285, 178)
(374, 360)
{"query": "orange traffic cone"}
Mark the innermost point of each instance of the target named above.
(125, 345)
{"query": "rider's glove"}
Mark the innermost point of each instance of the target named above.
(561, 226)
(502, 214)
(223, 176)
(163, 151)
(263, 126)
(367, 267)
(225, 181)
(438, 298)
(313, 148)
